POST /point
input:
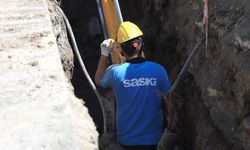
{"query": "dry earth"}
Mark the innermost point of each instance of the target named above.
(38, 109)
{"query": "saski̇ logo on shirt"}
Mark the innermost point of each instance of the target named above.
(139, 82)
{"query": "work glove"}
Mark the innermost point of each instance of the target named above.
(106, 47)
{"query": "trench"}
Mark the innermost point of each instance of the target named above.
(87, 30)
(83, 21)
(205, 122)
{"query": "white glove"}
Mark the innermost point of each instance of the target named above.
(106, 47)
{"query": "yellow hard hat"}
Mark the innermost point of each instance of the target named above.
(127, 31)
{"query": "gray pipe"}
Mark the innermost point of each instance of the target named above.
(84, 68)
(118, 9)
(104, 28)
(188, 61)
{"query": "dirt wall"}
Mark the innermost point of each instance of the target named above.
(83, 17)
(38, 109)
(217, 85)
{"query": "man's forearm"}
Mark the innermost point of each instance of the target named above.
(102, 66)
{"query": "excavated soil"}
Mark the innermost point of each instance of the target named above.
(216, 86)
(38, 109)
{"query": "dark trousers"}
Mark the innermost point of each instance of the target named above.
(140, 147)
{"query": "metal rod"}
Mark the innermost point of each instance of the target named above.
(104, 27)
(188, 61)
(84, 68)
(118, 9)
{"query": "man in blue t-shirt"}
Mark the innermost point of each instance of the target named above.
(139, 117)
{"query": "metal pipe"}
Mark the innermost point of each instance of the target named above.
(118, 9)
(84, 68)
(104, 28)
(188, 61)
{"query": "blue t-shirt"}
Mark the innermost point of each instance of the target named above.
(139, 117)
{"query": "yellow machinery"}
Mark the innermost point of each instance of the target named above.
(111, 18)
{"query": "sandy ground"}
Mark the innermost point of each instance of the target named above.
(38, 109)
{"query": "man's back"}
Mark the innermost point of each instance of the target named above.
(139, 114)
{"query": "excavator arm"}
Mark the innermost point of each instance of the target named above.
(111, 18)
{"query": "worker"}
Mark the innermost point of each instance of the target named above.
(139, 117)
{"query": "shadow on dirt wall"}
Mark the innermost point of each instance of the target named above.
(83, 16)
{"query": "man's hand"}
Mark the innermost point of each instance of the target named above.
(106, 47)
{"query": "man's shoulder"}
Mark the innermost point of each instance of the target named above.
(112, 66)
(116, 68)
(154, 64)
